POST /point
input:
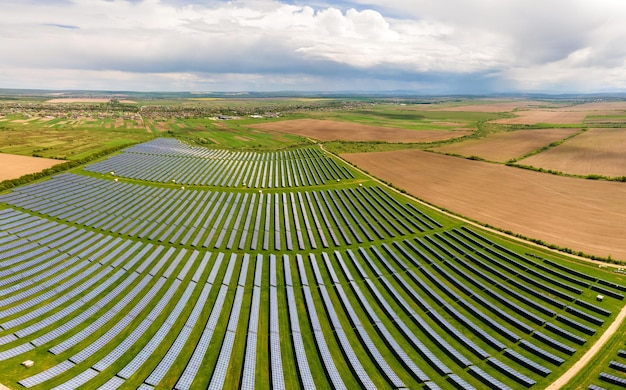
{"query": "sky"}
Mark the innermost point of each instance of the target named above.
(425, 46)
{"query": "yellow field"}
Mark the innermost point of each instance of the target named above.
(502, 147)
(596, 151)
(13, 166)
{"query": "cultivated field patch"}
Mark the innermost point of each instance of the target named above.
(489, 106)
(87, 100)
(597, 106)
(328, 130)
(13, 166)
(597, 151)
(504, 146)
(580, 214)
(66, 143)
(532, 117)
(569, 114)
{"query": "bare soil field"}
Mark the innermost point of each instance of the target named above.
(571, 114)
(606, 120)
(490, 106)
(531, 117)
(86, 100)
(597, 106)
(13, 166)
(502, 147)
(597, 151)
(328, 130)
(584, 215)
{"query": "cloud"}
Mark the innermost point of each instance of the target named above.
(266, 44)
(61, 26)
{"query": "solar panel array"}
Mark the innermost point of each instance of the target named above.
(167, 160)
(204, 219)
(131, 284)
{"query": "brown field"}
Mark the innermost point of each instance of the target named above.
(531, 117)
(491, 106)
(596, 151)
(597, 106)
(620, 121)
(13, 166)
(328, 130)
(502, 147)
(580, 214)
(86, 100)
(572, 114)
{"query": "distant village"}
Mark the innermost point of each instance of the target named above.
(113, 109)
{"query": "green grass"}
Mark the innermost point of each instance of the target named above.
(589, 374)
(407, 117)
(66, 142)
(232, 134)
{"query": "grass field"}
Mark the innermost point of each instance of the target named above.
(410, 117)
(63, 139)
(610, 352)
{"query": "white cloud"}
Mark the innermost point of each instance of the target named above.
(164, 42)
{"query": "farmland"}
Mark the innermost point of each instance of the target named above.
(14, 166)
(227, 255)
(598, 151)
(567, 114)
(328, 130)
(63, 139)
(531, 117)
(504, 146)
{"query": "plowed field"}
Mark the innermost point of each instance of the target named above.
(596, 151)
(564, 115)
(328, 130)
(13, 166)
(490, 106)
(576, 213)
(532, 117)
(502, 147)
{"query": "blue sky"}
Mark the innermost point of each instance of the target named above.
(442, 46)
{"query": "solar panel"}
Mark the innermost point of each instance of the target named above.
(142, 356)
(48, 374)
(78, 380)
(170, 357)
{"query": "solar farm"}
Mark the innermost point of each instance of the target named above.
(173, 266)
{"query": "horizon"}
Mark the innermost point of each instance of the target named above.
(402, 94)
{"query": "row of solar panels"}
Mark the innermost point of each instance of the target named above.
(216, 219)
(301, 167)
